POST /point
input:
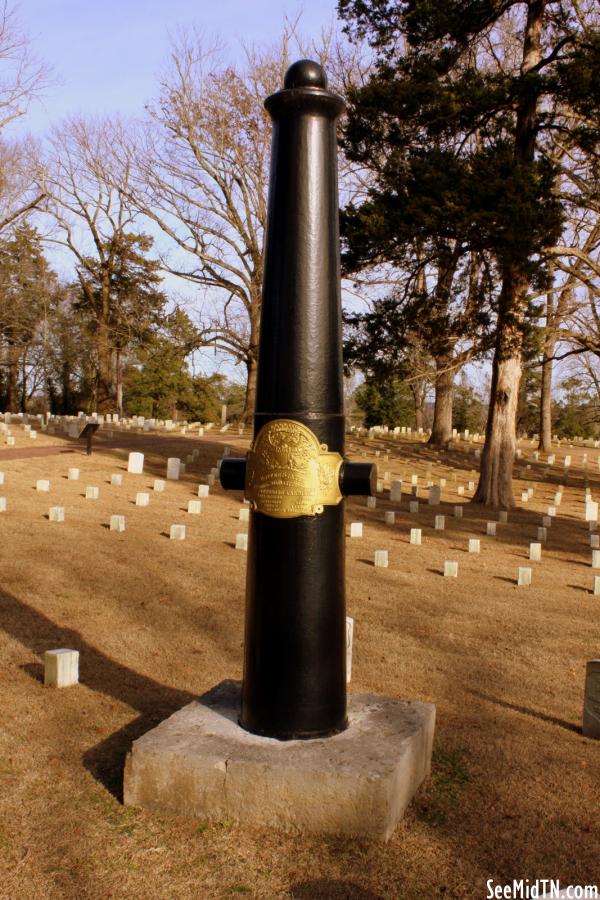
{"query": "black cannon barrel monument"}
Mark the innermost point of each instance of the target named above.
(369, 757)
(295, 476)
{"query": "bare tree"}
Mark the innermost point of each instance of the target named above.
(88, 199)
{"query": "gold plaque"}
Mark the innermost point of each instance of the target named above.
(289, 473)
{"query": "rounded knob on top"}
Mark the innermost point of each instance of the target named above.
(305, 73)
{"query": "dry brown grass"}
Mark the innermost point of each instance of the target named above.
(515, 788)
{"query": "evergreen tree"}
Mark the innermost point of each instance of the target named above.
(27, 286)
(122, 299)
(447, 97)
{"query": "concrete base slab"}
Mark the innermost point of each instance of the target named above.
(200, 763)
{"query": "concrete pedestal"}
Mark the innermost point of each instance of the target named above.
(200, 763)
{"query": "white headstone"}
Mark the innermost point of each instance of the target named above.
(415, 536)
(56, 514)
(135, 463)
(2, 504)
(595, 541)
(117, 523)
(73, 475)
(203, 490)
(591, 702)
(595, 559)
(371, 502)
(42, 484)
(535, 552)
(381, 559)
(92, 493)
(177, 532)
(1, 477)
(244, 514)
(142, 498)
(116, 479)
(159, 485)
(524, 575)
(434, 495)
(413, 506)
(474, 545)
(349, 642)
(458, 512)
(503, 516)
(450, 569)
(194, 507)
(389, 517)
(440, 523)
(173, 468)
(396, 492)
(241, 541)
(542, 534)
(356, 529)
(61, 668)
(490, 529)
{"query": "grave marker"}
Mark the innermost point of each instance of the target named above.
(356, 529)
(415, 536)
(73, 475)
(116, 479)
(142, 498)
(450, 569)
(535, 552)
(591, 703)
(524, 576)
(56, 514)
(158, 486)
(241, 541)
(177, 533)
(135, 463)
(61, 668)
(413, 507)
(458, 512)
(203, 491)
(43, 485)
(440, 523)
(474, 545)
(381, 559)
(92, 492)
(117, 523)
(349, 642)
(490, 529)
(194, 507)
(173, 468)
(389, 517)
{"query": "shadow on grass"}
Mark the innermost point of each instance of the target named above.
(154, 701)
(552, 720)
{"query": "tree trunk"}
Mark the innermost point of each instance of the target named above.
(250, 401)
(12, 359)
(104, 379)
(498, 456)
(497, 459)
(119, 381)
(545, 443)
(24, 382)
(441, 431)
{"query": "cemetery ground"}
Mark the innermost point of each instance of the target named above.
(515, 788)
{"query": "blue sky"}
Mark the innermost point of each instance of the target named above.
(106, 55)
